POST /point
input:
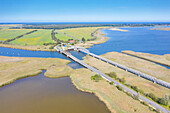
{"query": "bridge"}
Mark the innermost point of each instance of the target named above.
(155, 105)
(140, 74)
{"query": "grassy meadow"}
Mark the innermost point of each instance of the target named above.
(62, 37)
(116, 101)
(6, 34)
(37, 38)
(41, 36)
(143, 84)
(13, 68)
(80, 32)
(161, 59)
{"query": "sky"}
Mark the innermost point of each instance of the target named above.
(84, 11)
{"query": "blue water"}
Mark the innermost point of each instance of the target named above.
(138, 39)
(41, 54)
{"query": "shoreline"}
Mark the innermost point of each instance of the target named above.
(95, 93)
(65, 74)
(30, 48)
(117, 29)
(80, 82)
(33, 72)
(145, 57)
(107, 104)
(72, 81)
(161, 29)
(78, 85)
(100, 39)
(21, 77)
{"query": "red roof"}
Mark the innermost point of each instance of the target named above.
(71, 41)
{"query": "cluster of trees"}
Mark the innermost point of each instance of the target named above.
(56, 26)
(60, 41)
(83, 40)
(92, 39)
(65, 26)
(119, 87)
(50, 43)
(163, 101)
(112, 75)
(9, 40)
(96, 78)
(54, 37)
(93, 35)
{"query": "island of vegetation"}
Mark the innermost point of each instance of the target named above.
(13, 68)
(117, 29)
(160, 59)
(160, 28)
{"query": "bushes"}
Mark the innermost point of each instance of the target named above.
(129, 94)
(112, 75)
(135, 88)
(164, 100)
(83, 39)
(51, 47)
(141, 91)
(111, 83)
(96, 78)
(137, 97)
(145, 103)
(152, 96)
(119, 87)
(46, 44)
(122, 80)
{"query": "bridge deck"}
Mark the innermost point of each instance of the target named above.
(148, 77)
(110, 80)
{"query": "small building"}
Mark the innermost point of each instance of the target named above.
(71, 41)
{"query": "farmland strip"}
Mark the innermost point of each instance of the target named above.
(9, 40)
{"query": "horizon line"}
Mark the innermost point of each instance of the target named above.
(91, 22)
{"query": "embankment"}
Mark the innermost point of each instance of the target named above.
(160, 59)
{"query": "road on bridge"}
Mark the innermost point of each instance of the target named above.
(110, 80)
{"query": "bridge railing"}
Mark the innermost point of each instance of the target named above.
(148, 77)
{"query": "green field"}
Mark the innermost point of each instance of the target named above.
(62, 37)
(80, 32)
(4, 27)
(37, 38)
(6, 34)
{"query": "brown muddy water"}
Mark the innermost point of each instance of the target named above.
(47, 95)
